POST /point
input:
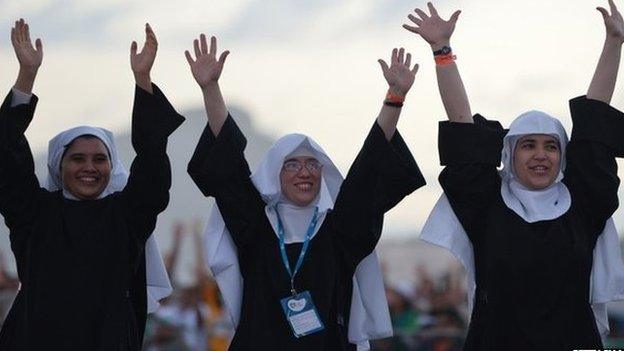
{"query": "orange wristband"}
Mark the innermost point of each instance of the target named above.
(445, 59)
(395, 99)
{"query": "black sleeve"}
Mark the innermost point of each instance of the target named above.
(219, 169)
(147, 191)
(19, 186)
(383, 173)
(470, 153)
(591, 170)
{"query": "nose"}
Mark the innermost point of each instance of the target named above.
(89, 166)
(304, 173)
(540, 154)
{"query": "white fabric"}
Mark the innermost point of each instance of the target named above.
(443, 228)
(529, 204)
(19, 97)
(369, 316)
(157, 280)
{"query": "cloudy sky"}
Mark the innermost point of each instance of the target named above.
(309, 66)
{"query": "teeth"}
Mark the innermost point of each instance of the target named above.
(87, 179)
(304, 186)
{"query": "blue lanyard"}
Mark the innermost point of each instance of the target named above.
(304, 249)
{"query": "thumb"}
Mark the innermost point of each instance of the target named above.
(455, 16)
(223, 56)
(415, 69)
(384, 66)
(603, 12)
(39, 45)
(133, 48)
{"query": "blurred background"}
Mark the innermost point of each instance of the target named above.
(308, 67)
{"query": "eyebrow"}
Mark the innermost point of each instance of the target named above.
(83, 154)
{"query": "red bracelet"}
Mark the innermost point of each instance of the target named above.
(441, 60)
(393, 98)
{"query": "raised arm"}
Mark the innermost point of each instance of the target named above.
(603, 83)
(206, 70)
(18, 183)
(400, 79)
(153, 120)
(437, 32)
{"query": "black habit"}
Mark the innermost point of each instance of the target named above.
(533, 279)
(382, 174)
(81, 263)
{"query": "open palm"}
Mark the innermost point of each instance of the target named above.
(398, 74)
(432, 27)
(143, 61)
(205, 67)
(28, 56)
(613, 22)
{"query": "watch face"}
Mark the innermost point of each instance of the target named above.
(446, 50)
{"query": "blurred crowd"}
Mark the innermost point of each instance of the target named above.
(428, 313)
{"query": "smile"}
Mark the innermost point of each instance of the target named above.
(304, 186)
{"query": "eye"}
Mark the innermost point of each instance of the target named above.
(77, 158)
(292, 166)
(527, 146)
(100, 159)
(552, 147)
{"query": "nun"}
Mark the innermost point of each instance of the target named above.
(88, 268)
(291, 245)
(536, 238)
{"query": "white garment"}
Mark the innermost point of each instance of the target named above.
(369, 316)
(157, 280)
(443, 228)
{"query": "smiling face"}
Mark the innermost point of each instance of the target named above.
(536, 160)
(86, 168)
(300, 179)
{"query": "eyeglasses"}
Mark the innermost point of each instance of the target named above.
(293, 166)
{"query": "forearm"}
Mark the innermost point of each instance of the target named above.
(603, 82)
(215, 107)
(453, 93)
(25, 80)
(388, 119)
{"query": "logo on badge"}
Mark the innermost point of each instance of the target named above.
(296, 305)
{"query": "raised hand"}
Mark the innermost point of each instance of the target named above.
(613, 22)
(399, 75)
(29, 57)
(436, 31)
(206, 68)
(142, 62)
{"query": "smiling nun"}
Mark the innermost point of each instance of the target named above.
(536, 238)
(286, 242)
(88, 272)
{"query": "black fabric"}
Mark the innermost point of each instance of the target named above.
(82, 263)
(535, 276)
(383, 173)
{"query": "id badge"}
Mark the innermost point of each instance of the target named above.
(301, 314)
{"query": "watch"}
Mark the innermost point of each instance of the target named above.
(444, 51)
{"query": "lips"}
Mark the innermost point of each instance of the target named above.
(88, 180)
(540, 169)
(304, 186)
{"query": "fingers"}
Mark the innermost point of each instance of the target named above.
(213, 45)
(27, 32)
(150, 36)
(394, 56)
(432, 9)
(223, 56)
(401, 56)
(203, 44)
(384, 66)
(411, 29)
(196, 48)
(612, 7)
(422, 14)
(133, 48)
(415, 19)
(408, 60)
(189, 58)
(455, 16)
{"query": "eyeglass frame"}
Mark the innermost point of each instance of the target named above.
(308, 164)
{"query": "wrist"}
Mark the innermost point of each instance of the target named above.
(395, 92)
(439, 45)
(144, 81)
(210, 87)
(613, 42)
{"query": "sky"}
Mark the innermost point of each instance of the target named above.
(310, 66)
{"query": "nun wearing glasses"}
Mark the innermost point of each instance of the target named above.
(536, 238)
(88, 268)
(291, 244)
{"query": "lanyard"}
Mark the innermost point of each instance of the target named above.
(304, 249)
